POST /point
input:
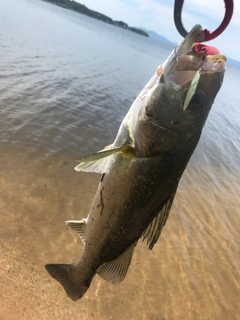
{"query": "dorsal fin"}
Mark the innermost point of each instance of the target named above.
(79, 226)
(153, 231)
(115, 271)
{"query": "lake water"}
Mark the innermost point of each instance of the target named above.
(66, 82)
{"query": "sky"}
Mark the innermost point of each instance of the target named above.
(157, 15)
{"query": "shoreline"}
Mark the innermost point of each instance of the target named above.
(80, 8)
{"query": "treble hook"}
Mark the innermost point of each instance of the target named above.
(207, 34)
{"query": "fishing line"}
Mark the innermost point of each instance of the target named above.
(227, 263)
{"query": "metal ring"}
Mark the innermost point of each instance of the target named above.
(178, 4)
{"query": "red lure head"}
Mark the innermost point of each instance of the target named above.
(203, 49)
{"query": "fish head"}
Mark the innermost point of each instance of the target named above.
(166, 121)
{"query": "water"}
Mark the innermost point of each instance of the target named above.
(66, 83)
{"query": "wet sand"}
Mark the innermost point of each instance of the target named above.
(190, 274)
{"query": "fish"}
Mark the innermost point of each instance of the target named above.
(141, 169)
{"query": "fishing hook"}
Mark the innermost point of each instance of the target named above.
(178, 4)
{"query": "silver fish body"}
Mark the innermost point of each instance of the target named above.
(142, 168)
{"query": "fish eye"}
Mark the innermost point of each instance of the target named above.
(198, 97)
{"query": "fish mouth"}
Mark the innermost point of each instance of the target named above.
(184, 47)
(193, 63)
(183, 64)
(187, 67)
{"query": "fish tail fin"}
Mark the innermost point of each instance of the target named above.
(64, 274)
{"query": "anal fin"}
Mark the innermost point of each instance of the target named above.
(79, 226)
(154, 229)
(115, 271)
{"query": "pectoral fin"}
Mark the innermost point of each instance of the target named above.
(154, 229)
(99, 162)
(115, 271)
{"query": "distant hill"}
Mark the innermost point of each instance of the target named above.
(80, 8)
(156, 36)
(233, 62)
